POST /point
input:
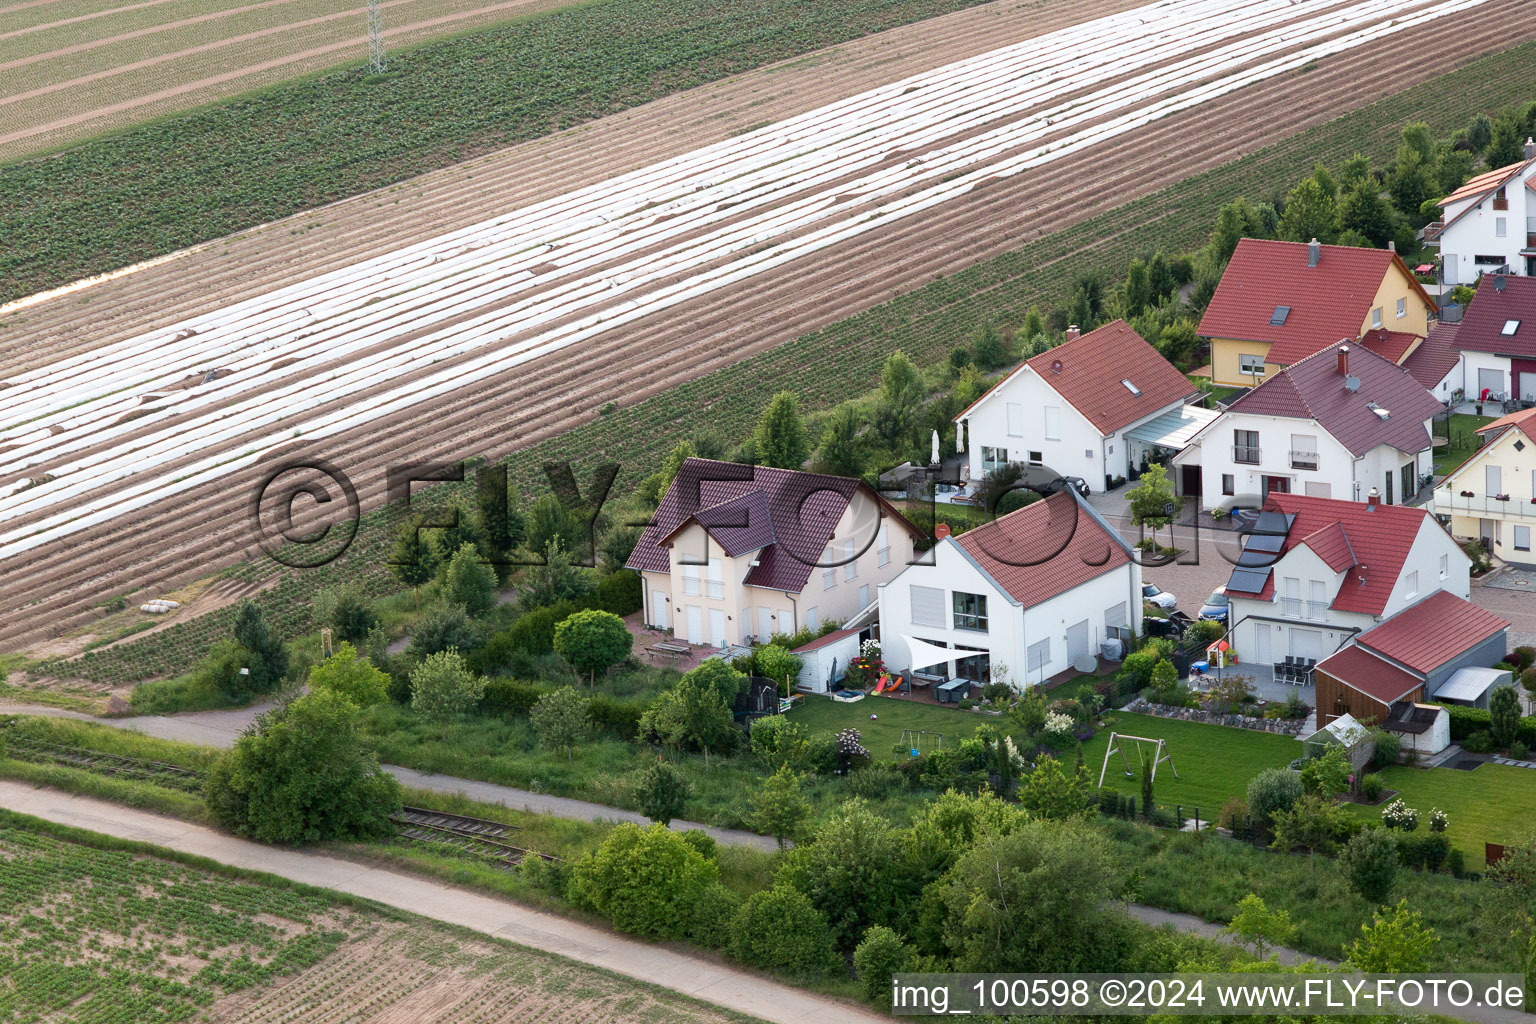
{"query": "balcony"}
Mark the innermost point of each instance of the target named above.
(1483, 506)
(1296, 608)
(1530, 239)
(1303, 460)
(1501, 204)
(1432, 231)
(1317, 610)
(1245, 454)
(1291, 607)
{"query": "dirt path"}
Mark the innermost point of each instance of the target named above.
(163, 546)
(695, 976)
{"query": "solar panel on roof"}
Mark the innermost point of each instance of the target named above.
(1269, 543)
(1248, 581)
(1281, 312)
(1257, 559)
(1273, 522)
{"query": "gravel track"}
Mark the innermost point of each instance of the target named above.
(650, 356)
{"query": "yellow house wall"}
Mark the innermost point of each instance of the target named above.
(1396, 285)
(1225, 361)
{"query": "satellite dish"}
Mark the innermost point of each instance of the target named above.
(1056, 366)
(1085, 663)
(1351, 383)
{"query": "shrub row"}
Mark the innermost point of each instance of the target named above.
(1466, 721)
(614, 715)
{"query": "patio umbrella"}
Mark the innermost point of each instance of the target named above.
(960, 437)
(935, 459)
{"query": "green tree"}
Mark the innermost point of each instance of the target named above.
(1034, 323)
(996, 914)
(780, 809)
(469, 582)
(880, 955)
(778, 663)
(498, 523)
(1327, 774)
(1370, 863)
(854, 866)
(840, 452)
(1507, 146)
(1311, 823)
(1504, 715)
(1479, 132)
(1396, 941)
(1271, 790)
(692, 712)
(1178, 342)
(220, 671)
(778, 741)
(560, 719)
(662, 792)
(443, 688)
(646, 881)
(444, 626)
(1153, 504)
(411, 559)
(900, 401)
(780, 435)
(550, 521)
(1362, 209)
(352, 677)
(270, 657)
(1260, 928)
(345, 609)
(1049, 792)
(302, 775)
(593, 641)
(1324, 179)
(1234, 221)
(778, 929)
(1309, 213)
(988, 345)
(719, 677)
(1138, 288)
(557, 579)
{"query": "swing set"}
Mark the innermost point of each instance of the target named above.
(1162, 754)
(913, 739)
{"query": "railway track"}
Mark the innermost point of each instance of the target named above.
(474, 835)
(24, 748)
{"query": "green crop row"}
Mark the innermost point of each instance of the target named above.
(844, 358)
(206, 173)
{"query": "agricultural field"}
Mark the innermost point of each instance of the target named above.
(70, 70)
(107, 936)
(682, 331)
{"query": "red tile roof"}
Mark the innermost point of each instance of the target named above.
(1482, 184)
(1390, 345)
(1363, 671)
(803, 510)
(1327, 302)
(1380, 537)
(1087, 372)
(822, 641)
(1483, 325)
(740, 524)
(1332, 545)
(1436, 357)
(1045, 548)
(1438, 629)
(1313, 389)
(1524, 420)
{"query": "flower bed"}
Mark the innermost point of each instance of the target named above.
(1283, 726)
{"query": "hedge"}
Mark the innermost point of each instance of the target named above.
(615, 715)
(510, 697)
(1465, 721)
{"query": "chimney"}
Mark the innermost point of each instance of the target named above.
(1314, 253)
(1073, 332)
(1374, 498)
(1344, 360)
(940, 530)
(1391, 247)
(1530, 148)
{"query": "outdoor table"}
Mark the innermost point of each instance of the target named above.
(670, 649)
(952, 691)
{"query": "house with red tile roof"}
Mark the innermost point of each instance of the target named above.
(736, 553)
(1491, 497)
(1019, 599)
(1340, 423)
(1496, 339)
(1436, 363)
(1279, 302)
(1315, 573)
(1421, 653)
(1484, 224)
(1091, 407)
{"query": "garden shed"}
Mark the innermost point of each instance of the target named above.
(1422, 728)
(824, 659)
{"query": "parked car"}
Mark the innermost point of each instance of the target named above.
(1038, 478)
(1215, 607)
(1174, 625)
(1151, 593)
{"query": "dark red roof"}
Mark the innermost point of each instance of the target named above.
(1379, 536)
(1327, 303)
(1436, 357)
(1313, 389)
(1390, 345)
(1088, 371)
(1525, 420)
(1491, 308)
(1332, 545)
(1436, 630)
(822, 641)
(1363, 671)
(803, 510)
(1045, 548)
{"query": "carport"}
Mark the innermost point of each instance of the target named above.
(1170, 434)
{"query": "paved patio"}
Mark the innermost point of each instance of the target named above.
(1264, 683)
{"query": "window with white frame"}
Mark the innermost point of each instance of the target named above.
(716, 578)
(971, 611)
(1290, 596)
(1317, 599)
(1228, 484)
(1411, 584)
(813, 617)
(1037, 458)
(1376, 317)
(1445, 566)
(1402, 308)
(828, 570)
(883, 546)
(690, 579)
(927, 606)
(1501, 227)
(851, 566)
(992, 458)
(1015, 420)
(1252, 366)
(1052, 423)
(864, 596)
(1522, 538)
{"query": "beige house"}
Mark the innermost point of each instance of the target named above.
(735, 554)
(1491, 497)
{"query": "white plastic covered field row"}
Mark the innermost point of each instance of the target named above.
(568, 270)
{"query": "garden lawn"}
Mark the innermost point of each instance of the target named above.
(1463, 435)
(880, 735)
(1493, 804)
(1214, 762)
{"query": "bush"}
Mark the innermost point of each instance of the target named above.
(552, 877)
(302, 775)
(1518, 751)
(469, 581)
(220, 672)
(1371, 786)
(445, 626)
(880, 955)
(662, 791)
(1387, 748)
(1424, 852)
(1370, 863)
(777, 663)
(352, 677)
(345, 609)
(1480, 742)
(779, 929)
(778, 741)
(534, 631)
(619, 593)
(873, 781)
(1273, 789)
(1504, 716)
(592, 641)
(709, 923)
(617, 716)
(1140, 664)
(646, 881)
(560, 720)
(1398, 815)
(269, 662)
(509, 697)
(443, 687)
(1233, 815)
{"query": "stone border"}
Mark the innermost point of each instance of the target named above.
(1280, 726)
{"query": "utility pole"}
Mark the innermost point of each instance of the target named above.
(377, 61)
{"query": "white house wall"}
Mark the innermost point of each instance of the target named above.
(1335, 464)
(1476, 233)
(1079, 452)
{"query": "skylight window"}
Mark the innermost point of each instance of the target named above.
(1281, 312)
(1132, 388)
(1510, 327)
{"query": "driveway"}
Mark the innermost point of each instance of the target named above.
(695, 976)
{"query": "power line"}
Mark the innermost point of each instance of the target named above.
(377, 61)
